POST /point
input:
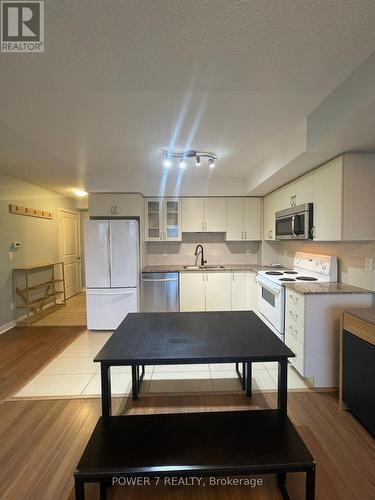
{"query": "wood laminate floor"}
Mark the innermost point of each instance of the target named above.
(42, 441)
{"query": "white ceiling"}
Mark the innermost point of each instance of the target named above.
(120, 80)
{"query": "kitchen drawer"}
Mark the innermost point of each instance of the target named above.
(298, 349)
(294, 314)
(295, 299)
(295, 330)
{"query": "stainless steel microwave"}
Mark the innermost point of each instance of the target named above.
(295, 223)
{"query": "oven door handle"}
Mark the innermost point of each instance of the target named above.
(267, 286)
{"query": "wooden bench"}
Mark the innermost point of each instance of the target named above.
(210, 444)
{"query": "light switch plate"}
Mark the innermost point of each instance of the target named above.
(10, 255)
(369, 264)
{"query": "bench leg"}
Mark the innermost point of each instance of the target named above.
(103, 490)
(249, 386)
(134, 383)
(281, 477)
(310, 484)
(79, 488)
(106, 390)
(282, 389)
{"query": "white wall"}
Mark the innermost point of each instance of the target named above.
(216, 250)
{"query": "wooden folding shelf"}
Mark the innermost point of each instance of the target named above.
(31, 300)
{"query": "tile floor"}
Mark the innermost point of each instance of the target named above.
(74, 314)
(73, 374)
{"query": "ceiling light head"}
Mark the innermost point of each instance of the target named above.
(167, 162)
(80, 192)
(211, 162)
(198, 161)
(182, 163)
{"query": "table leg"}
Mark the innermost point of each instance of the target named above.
(310, 484)
(79, 488)
(282, 390)
(281, 477)
(242, 375)
(106, 390)
(134, 382)
(103, 490)
(138, 380)
(248, 369)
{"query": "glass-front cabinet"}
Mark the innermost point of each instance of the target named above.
(163, 219)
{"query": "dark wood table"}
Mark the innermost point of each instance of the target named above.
(189, 338)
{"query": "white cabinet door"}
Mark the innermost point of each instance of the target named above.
(303, 190)
(192, 215)
(235, 219)
(218, 291)
(252, 292)
(193, 291)
(327, 187)
(269, 207)
(252, 218)
(102, 205)
(239, 291)
(215, 215)
(172, 219)
(153, 219)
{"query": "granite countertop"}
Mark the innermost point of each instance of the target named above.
(367, 315)
(328, 288)
(173, 268)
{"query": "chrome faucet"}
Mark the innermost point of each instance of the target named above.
(203, 262)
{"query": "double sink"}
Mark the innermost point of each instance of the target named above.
(212, 267)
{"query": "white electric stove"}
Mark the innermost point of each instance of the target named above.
(271, 284)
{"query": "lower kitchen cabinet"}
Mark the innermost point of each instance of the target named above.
(192, 291)
(218, 291)
(239, 291)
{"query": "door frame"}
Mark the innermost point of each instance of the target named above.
(79, 252)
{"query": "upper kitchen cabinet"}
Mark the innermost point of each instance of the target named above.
(271, 204)
(344, 203)
(203, 215)
(243, 219)
(162, 219)
(116, 205)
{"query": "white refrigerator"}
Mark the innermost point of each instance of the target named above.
(112, 271)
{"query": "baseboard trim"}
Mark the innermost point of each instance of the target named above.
(7, 326)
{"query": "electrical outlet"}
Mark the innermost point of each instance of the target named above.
(12, 306)
(369, 264)
(248, 251)
(10, 255)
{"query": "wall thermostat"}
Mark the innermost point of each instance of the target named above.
(16, 244)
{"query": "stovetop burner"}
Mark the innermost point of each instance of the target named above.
(306, 278)
(287, 279)
(290, 272)
(274, 273)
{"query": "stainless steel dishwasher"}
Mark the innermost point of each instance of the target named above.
(160, 292)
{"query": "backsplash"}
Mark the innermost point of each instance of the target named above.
(216, 250)
(351, 258)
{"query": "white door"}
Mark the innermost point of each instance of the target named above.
(327, 193)
(252, 214)
(235, 221)
(252, 292)
(192, 215)
(193, 291)
(218, 291)
(215, 215)
(97, 254)
(107, 308)
(123, 239)
(70, 251)
(239, 291)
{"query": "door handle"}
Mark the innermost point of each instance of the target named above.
(245, 235)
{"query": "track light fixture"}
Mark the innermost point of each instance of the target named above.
(168, 157)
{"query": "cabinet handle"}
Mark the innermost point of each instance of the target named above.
(293, 299)
(115, 210)
(295, 200)
(242, 236)
(245, 235)
(294, 316)
(111, 210)
(233, 277)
